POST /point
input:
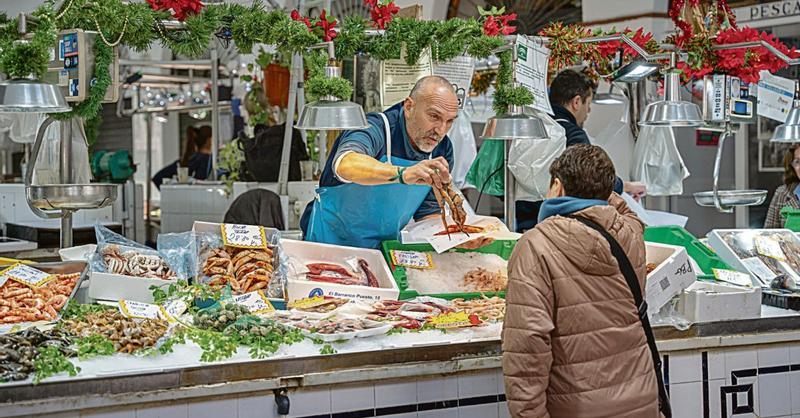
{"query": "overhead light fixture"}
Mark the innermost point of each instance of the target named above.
(789, 131)
(635, 71)
(329, 113)
(514, 125)
(609, 97)
(672, 111)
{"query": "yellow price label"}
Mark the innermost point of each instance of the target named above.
(457, 319)
(243, 236)
(306, 302)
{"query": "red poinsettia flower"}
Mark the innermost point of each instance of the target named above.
(295, 15)
(180, 9)
(747, 63)
(328, 32)
(499, 25)
(381, 14)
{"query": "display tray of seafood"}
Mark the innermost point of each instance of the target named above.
(19, 351)
(22, 303)
(339, 274)
(459, 272)
(244, 269)
(768, 254)
(344, 327)
(128, 261)
(127, 334)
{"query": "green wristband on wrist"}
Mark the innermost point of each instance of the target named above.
(400, 171)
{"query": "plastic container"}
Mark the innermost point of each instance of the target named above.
(672, 274)
(706, 258)
(712, 302)
(792, 217)
(502, 248)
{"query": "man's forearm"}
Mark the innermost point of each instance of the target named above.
(363, 169)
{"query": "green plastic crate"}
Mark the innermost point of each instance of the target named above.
(792, 217)
(503, 248)
(675, 235)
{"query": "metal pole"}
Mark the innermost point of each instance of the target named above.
(65, 175)
(149, 175)
(294, 81)
(510, 197)
(215, 133)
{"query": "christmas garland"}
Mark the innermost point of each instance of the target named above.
(21, 59)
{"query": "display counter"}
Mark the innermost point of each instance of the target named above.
(714, 369)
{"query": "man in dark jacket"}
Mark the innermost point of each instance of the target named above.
(571, 94)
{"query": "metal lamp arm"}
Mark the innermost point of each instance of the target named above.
(717, 164)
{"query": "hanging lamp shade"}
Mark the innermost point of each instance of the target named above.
(24, 95)
(789, 131)
(513, 125)
(672, 111)
(329, 113)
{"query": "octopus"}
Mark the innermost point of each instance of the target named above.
(134, 263)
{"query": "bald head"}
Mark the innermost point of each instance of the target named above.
(432, 85)
(430, 109)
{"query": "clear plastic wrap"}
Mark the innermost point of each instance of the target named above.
(657, 162)
(530, 160)
(117, 254)
(47, 168)
(464, 148)
(669, 315)
(179, 250)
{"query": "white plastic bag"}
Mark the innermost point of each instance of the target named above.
(657, 162)
(23, 126)
(47, 169)
(464, 148)
(530, 160)
(618, 142)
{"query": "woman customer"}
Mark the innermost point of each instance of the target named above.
(573, 343)
(786, 194)
(196, 156)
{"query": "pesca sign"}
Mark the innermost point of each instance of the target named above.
(771, 10)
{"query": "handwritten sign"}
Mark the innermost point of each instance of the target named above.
(26, 275)
(412, 259)
(733, 277)
(133, 309)
(244, 236)
(306, 302)
(458, 319)
(256, 302)
(770, 248)
(173, 309)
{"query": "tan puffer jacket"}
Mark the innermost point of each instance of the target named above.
(573, 345)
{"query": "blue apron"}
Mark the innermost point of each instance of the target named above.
(363, 216)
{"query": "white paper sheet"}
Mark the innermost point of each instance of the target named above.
(775, 96)
(457, 71)
(398, 78)
(654, 217)
(532, 71)
(425, 232)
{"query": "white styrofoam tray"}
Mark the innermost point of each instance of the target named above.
(711, 302)
(674, 272)
(312, 252)
(756, 266)
(113, 287)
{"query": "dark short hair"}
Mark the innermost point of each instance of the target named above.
(568, 84)
(585, 171)
(789, 175)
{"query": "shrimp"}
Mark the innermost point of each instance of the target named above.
(57, 301)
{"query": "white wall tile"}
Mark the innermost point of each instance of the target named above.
(714, 398)
(685, 368)
(478, 411)
(502, 410)
(501, 387)
(395, 394)
(167, 411)
(477, 384)
(309, 402)
(70, 414)
(131, 413)
(408, 415)
(794, 353)
(686, 398)
(439, 413)
(213, 409)
(794, 386)
(716, 365)
(258, 406)
(739, 359)
(773, 355)
(774, 394)
(352, 397)
(437, 389)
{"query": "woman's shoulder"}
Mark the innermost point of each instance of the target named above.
(782, 189)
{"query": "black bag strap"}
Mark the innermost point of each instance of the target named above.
(641, 306)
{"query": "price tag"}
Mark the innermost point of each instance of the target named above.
(27, 275)
(173, 309)
(757, 267)
(133, 309)
(458, 319)
(733, 277)
(256, 302)
(306, 302)
(9, 328)
(412, 259)
(244, 236)
(770, 248)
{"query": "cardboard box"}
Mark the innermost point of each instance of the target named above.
(711, 302)
(113, 287)
(674, 272)
(312, 252)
